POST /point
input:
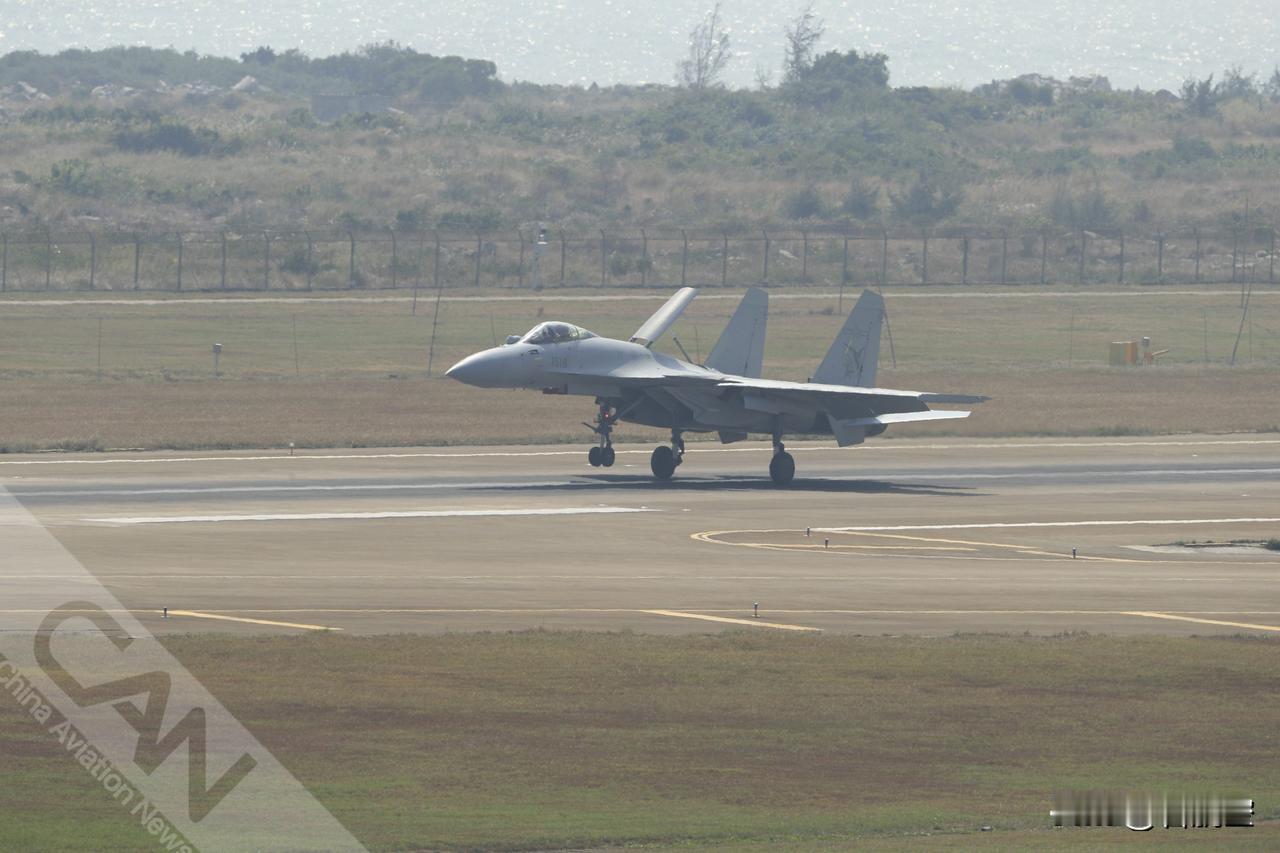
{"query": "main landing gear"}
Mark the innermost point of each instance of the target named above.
(782, 467)
(665, 460)
(602, 455)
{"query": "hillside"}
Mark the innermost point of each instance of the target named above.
(152, 140)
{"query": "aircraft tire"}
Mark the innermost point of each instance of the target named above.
(607, 456)
(782, 468)
(662, 462)
(595, 457)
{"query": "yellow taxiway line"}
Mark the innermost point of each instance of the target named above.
(734, 621)
(224, 618)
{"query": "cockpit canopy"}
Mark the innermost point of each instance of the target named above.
(555, 333)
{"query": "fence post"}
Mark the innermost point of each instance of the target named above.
(1122, 257)
(311, 268)
(684, 258)
(924, 266)
(1080, 273)
(1044, 254)
(1235, 249)
(520, 234)
(1004, 256)
(766, 254)
(1160, 257)
(417, 279)
(266, 260)
(435, 275)
(1197, 233)
(93, 259)
(4, 264)
(395, 260)
(644, 257)
(479, 251)
(223, 280)
(844, 268)
(884, 259)
(804, 256)
(178, 235)
(137, 258)
(48, 259)
(724, 262)
(1271, 275)
(964, 259)
(351, 261)
(562, 256)
(604, 269)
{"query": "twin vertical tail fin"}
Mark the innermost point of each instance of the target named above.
(740, 350)
(855, 353)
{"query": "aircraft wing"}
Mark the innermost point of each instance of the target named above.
(664, 317)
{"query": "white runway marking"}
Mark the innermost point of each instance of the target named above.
(1251, 626)
(694, 448)
(755, 623)
(1013, 524)
(220, 490)
(224, 618)
(361, 516)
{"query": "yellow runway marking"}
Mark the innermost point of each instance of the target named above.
(224, 618)
(735, 621)
(1248, 625)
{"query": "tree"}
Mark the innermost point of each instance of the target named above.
(1199, 96)
(801, 37)
(1272, 87)
(708, 53)
(927, 201)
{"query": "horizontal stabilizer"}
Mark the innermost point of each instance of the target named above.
(960, 399)
(664, 317)
(740, 350)
(854, 430)
(905, 417)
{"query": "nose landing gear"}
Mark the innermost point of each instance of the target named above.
(602, 455)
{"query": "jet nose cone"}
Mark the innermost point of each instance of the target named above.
(484, 369)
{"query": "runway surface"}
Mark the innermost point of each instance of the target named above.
(904, 536)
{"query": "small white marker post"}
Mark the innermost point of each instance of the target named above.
(217, 353)
(755, 609)
(291, 448)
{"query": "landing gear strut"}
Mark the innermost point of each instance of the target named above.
(602, 454)
(782, 467)
(665, 460)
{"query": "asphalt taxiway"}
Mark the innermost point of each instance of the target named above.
(897, 536)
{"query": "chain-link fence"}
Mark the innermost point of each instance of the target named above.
(292, 260)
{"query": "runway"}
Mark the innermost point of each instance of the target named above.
(898, 536)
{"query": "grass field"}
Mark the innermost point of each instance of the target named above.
(550, 740)
(322, 373)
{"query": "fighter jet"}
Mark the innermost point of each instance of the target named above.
(726, 394)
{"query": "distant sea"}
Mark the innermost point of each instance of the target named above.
(1149, 43)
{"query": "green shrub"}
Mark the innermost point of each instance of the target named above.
(172, 135)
